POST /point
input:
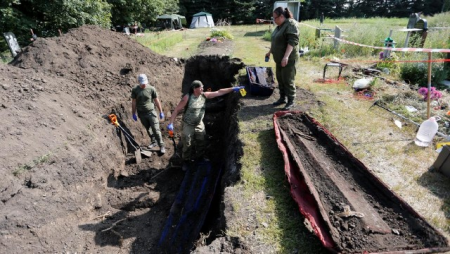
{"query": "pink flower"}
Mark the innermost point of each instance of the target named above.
(434, 94)
(423, 91)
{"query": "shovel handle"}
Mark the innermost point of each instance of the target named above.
(113, 119)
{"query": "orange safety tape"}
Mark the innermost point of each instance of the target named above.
(393, 49)
(392, 61)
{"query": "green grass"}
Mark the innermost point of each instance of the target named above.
(160, 42)
(370, 32)
(181, 44)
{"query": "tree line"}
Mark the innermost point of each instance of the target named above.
(46, 17)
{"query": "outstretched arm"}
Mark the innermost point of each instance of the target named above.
(223, 91)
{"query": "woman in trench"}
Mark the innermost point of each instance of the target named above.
(193, 134)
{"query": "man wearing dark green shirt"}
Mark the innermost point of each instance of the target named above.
(144, 98)
(284, 48)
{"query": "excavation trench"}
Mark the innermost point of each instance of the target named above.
(84, 192)
(169, 208)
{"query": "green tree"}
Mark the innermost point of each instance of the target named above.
(46, 17)
(142, 11)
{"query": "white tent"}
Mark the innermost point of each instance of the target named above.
(202, 19)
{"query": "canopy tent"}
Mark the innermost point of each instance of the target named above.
(171, 21)
(202, 19)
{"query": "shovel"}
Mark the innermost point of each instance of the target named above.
(174, 144)
(137, 150)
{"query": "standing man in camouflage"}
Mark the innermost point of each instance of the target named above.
(284, 48)
(144, 98)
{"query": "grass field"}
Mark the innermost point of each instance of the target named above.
(368, 132)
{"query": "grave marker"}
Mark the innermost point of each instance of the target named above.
(13, 45)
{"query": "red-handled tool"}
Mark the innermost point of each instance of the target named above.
(171, 135)
(138, 151)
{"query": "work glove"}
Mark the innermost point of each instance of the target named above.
(170, 127)
(161, 115)
(237, 88)
(134, 117)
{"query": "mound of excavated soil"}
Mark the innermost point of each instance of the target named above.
(69, 178)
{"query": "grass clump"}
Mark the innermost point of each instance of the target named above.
(417, 73)
(267, 36)
(28, 166)
(391, 64)
(221, 34)
(6, 57)
(21, 169)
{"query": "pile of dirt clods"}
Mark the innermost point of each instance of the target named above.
(69, 183)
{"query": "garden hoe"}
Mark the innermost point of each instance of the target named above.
(137, 150)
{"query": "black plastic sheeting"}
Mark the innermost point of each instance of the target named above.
(190, 208)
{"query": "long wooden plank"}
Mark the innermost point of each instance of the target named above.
(371, 219)
(309, 183)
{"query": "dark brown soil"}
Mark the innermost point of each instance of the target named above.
(375, 220)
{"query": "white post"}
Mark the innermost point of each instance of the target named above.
(406, 42)
(429, 85)
(386, 52)
(337, 34)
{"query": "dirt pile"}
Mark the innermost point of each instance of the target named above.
(104, 64)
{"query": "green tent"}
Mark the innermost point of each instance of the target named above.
(171, 21)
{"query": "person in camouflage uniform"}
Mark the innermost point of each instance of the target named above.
(193, 134)
(144, 98)
(284, 48)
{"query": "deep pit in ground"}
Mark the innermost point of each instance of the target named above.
(70, 183)
(156, 188)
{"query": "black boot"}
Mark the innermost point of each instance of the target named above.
(289, 104)
(280, 101)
